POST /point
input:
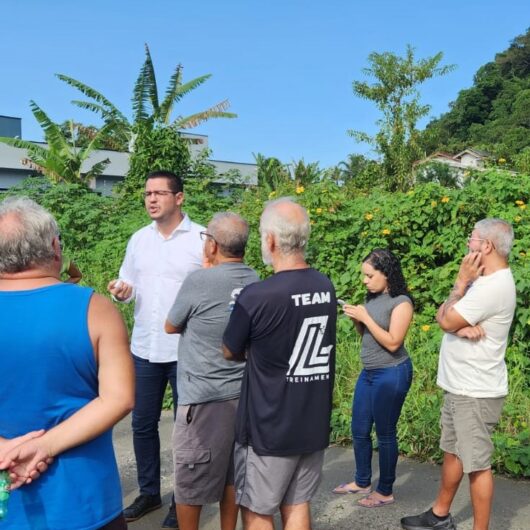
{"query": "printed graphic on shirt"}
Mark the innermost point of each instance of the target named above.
(309, 361)
(311, 298)
(233, 298)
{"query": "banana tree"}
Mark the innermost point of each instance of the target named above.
(61, 160)
(147, 108)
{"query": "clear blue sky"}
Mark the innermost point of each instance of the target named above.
(286, 65)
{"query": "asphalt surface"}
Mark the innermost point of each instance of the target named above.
(415, 489)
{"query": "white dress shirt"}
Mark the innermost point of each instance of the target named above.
(156, 267)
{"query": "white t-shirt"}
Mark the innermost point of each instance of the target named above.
(477, 368)
(156, 267)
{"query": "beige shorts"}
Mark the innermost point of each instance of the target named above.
(203, 443)
(467, 424)
(264, 483)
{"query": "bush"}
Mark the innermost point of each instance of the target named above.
(427, 227)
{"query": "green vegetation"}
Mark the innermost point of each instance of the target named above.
(494, 114)
(149, 111)
(395, 94)
(427, 227)
(63, 160)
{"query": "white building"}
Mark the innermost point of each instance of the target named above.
(13, 170)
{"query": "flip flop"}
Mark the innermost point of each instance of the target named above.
(343, 489)
(375, 503)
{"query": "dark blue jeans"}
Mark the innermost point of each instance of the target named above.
(378, 398)
(151, 383)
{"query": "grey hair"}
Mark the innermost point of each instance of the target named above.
(26, 234)
(291, 234)
(499, 232)
(230, 232)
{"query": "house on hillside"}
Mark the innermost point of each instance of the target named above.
(469, 159)
(13, 169)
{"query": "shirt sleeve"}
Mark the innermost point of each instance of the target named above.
(127, 270)
(477, 305)
(183, 305)
(237, 331)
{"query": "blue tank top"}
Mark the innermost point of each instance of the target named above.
(48, 373)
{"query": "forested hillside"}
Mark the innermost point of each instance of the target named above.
(494, 114)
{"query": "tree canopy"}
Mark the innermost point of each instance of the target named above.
(395, 93)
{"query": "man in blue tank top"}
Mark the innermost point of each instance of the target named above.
(67, 378)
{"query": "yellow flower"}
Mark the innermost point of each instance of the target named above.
(445, 199)
(522, 254)
(312, 222)
(433, 204)
(502, 160)
(319, 210)
(300, 189)
(517, 218)
(272, 194)
(425, 327)
(522, 206)
(519, 202)
(385, 231)
(364, 233)
(368, 216)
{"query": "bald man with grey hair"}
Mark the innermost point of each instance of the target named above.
(209, 385)
(284, 327)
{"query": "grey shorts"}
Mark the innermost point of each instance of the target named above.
(264, 483)
(203, 442)
(467, 424)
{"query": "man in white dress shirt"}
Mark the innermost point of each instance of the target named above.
(158, 258)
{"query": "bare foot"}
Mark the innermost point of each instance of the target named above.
(376, 500)
(351, 487)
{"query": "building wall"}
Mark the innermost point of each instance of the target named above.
(10, 127)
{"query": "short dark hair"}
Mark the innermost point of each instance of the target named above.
(174, 181)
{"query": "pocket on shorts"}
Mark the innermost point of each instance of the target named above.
(192, 468)
(490, 412)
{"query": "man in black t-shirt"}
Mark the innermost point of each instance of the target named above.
(285, 327)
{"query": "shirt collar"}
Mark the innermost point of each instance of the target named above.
(183, 226)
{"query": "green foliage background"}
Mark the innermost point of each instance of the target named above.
(493, 114)
(427, 227)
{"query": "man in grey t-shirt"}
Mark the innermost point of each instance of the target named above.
(209, 385)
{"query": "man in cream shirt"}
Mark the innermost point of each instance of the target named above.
(476, 318)
(158, 258)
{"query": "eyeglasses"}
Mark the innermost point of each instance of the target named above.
(158, 193)
(206, 235)
(469, 239)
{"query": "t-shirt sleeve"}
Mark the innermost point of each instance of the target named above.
(237, 331)
(183, 304)
(477, 305)
(400, 299)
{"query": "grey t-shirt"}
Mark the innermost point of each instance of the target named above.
(373, 355)
(203, 307)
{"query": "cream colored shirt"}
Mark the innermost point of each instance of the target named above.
(477, 369)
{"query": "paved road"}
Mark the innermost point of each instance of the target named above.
(415, 489)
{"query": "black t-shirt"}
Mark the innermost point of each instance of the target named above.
(287, 325)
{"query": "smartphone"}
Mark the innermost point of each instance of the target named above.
(340, 302)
